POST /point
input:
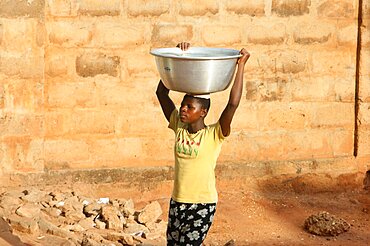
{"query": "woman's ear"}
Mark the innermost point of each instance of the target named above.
(203, 112)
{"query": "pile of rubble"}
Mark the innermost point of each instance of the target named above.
(325, 224)
(81, 220)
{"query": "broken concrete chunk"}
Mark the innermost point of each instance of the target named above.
(112, 217)
(29, 210)
(74, 216)
(135, 228)
(33, 195)
(87, 223)
(92, 209)
(128, 208)
(123, 238)
(100, 224)
(54, 212)
(23, 224)
(150, 213)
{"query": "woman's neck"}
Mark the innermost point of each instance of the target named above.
(194, 127)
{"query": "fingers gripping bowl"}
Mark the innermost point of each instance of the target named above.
(197, 70)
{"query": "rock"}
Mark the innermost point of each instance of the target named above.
(135, 228)
(29, 210)
(87, 223)
(74, 216)
(74, 227)
(150, 213)
(100, 224)
(10, 204)
(48, 227)
(23, 224)
(128, 207)
(89, 242)
(160, 226)
(33, 195)
(156, 230)
(72, 203)
(54, 212)
(92, 209)
(325, 224)
(123, 238)
(112, 217)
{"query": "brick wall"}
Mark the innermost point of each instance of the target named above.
(77, 83)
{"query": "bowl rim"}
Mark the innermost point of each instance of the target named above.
(157, 52)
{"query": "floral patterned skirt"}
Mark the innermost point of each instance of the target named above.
(188, 223)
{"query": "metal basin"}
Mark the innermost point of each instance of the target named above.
(197, 70)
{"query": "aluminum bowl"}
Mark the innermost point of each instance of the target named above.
(197, 70)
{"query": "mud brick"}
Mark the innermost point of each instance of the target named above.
(336, 9)
(19, 34)
(343, 141)
(25, 65)
(88, 121)
(148, 8)
(314, 143)
(307, 33)
(112, 34)
(62, 7)
(24, 8)
(69, 33)
(312, 89)
(330, 62)
(69, 95)
(348, 36)
(364, 142)
(90, 65)
(66, 150)
(290, 7)
(273, 115)
(99, 8)
(202, 7)
(364, 114)
(169, 33)
(267, 35)
(245, 7)
(116, 149)
(336, 114)
(221, 35)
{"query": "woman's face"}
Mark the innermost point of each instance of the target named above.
(191, 110)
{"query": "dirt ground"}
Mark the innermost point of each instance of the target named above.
(268, 211)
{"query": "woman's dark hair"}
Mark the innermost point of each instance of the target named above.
(206, 103)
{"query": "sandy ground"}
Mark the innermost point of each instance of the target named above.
(267, 212)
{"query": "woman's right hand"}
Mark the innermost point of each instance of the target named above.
(183, 45)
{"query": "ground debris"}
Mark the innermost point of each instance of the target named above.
(77, 219)
(325, 224)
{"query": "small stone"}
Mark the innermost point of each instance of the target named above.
(325, 224)
(150, 213)
(128, 207)
(112, 217)
(29, 210)
(33, 195)
(54, 212)
(92, 209)
(100, 224)
(135, 228)
(87, 223)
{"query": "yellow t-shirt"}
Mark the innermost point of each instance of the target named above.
(195, 161)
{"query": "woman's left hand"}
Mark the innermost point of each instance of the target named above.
(245, 56)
